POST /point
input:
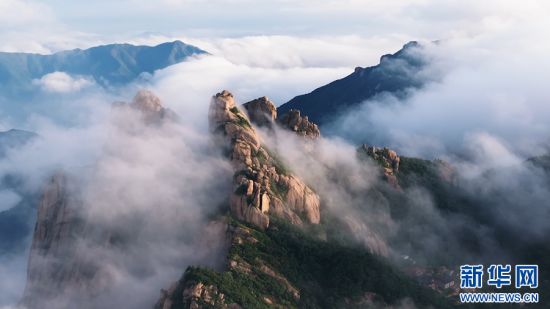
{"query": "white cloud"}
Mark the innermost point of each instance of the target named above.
(33, 26)
(62, 82)
(8, 199)
(189, 85)
(284, 51)
(493, 83)
(20, 13)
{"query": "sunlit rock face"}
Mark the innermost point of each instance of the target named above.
(262, 185)
(261, 111)
(293, 121)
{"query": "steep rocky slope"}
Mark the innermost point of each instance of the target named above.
(262, 185)
(59, 266)
(278, 259)
(285, 267)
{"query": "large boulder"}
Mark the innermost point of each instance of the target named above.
(261, 111)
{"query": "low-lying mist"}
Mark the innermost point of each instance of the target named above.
(153, 187)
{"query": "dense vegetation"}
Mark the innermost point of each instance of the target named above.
(327, 274)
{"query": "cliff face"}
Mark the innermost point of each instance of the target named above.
(262, 185)
(261, 111)
(58, 263)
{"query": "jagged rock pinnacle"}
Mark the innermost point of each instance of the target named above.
(262, 184)
(301, 125)
(261, 111)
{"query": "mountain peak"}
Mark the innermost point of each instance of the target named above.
(262, 185)
(111, 64)
(322, 104)
(145, 100)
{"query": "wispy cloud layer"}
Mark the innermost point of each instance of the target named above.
(62, 82)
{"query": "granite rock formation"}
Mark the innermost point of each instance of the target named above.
(59, 267)
(293, 121)
(261, 111)
(149, 107)
(262, 185)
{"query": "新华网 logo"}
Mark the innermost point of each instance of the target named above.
(498, 276)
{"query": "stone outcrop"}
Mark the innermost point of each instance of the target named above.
(261, 111)
(51, 238)
(58, 268)
(194, 296)
(149, 106)
(262, 185)
(293, 121)
(386, 158)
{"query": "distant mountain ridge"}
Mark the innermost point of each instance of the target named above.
(111, 64)
(394, 74)
(14, 138)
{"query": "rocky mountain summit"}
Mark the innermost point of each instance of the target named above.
(261, 111)
(262, 185)
(149, 107)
